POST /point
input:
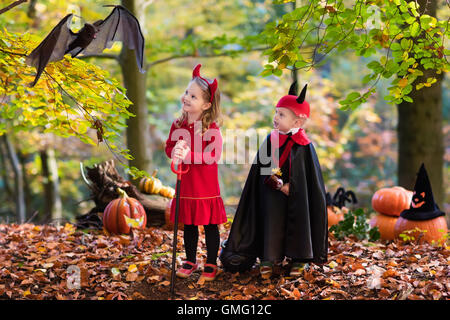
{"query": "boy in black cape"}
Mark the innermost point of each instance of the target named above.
(282, 211)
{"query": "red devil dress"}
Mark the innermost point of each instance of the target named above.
(200, 199)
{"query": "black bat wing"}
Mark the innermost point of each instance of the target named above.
(52, 48)
(120, 25)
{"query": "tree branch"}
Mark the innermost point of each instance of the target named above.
(12, 5)
(14, 53)
(199, 56)
(100, 56)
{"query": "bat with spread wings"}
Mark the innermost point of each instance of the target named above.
(120, 25)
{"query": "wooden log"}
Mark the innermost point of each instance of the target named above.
(103, 181)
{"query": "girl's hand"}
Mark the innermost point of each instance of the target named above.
(179, 146)
(285, 189)
(180, 143)
(180, 151)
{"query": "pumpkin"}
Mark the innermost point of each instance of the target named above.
(335, 215)
(336, 205)
(391, 201)
(385, 225)
(167, 192)
(169, 224)
(432, 227)
(124, 213)
(151, 185)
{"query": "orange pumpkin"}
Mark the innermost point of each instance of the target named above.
(167, 192)
(169, 224)
(124, 213)
(385, 225)
(391, 201)
(432, 227)
(151, 185)
(335, 215)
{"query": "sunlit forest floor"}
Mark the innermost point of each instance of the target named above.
(48, 262)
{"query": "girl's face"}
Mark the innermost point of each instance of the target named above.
(284, 120)
(192, 101)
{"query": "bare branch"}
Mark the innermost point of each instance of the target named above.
(12, 5)
(100, 56)
(199, 56)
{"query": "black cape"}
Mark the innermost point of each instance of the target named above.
(270, 225)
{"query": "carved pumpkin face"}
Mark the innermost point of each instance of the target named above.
(418, 200)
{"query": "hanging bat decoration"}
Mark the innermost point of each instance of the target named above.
(120, 25)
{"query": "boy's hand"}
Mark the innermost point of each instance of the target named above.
(285, 189)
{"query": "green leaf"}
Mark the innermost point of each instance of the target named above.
(414, 29)
(277, 72)
(353, 95)
(396, 46)
(408, 99)
(405, 43)
(266, 72)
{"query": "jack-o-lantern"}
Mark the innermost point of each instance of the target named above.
(124, 213)
(418, 200)
(432, 230)
(423, 213)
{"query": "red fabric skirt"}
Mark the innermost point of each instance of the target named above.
(199, 211)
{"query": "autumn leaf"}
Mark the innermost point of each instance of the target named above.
(354, 271)
(403, 82)
(131, 276)
(132, 268)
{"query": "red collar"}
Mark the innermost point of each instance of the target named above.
(278, 139)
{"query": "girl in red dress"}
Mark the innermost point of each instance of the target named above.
(196, 141)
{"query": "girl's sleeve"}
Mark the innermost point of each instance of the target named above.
(169, 143)
(212, 151)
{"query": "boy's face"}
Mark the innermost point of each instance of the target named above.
(284, 120)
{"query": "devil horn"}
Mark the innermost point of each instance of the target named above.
(293, 89)
(301, 97)
(196, 71)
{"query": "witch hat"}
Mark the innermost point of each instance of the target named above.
(422, 205)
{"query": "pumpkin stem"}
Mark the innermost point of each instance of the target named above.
(154, 172)
(122, 193)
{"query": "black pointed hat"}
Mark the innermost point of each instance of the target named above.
(422, 205)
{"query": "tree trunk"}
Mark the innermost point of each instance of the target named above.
(4, 171)
(53, 204)
(134, 81)
(18, 179)
(57, 203)
(26, 185)
(47, 188)
(420, 137)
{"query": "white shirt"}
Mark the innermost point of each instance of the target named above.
(293, 130)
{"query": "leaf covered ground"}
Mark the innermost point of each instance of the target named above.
(48, 262)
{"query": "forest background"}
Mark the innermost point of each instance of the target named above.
(357, 147)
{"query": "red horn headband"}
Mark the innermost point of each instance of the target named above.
(211, 85)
